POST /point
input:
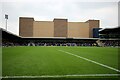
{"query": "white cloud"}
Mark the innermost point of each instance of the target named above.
(73, 10)
(59, 0)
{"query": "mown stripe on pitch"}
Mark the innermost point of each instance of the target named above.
(90, 61)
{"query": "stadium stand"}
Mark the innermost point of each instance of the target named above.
(110, 33)
(110, 36)
(9, 39)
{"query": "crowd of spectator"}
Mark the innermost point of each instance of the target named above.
(111, 43)
(32, 43)
(105, 43)
(13, 43)
(65, 44)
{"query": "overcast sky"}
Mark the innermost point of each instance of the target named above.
(47, 10)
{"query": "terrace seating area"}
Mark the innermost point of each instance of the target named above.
(9, 39)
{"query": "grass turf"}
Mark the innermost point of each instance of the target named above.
(37, 61)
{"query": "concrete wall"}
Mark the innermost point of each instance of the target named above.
(78, 29)
(60, 27)
(43, 29)
(26, 27)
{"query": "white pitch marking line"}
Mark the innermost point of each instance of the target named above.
(74, 75)
(91, 61)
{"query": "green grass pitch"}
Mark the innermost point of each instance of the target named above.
(41, 61)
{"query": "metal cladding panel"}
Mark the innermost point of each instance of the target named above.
(43, 29)
(93, 24)
(60, 27)
(26, 27)
(78, 29)
(96, 32)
